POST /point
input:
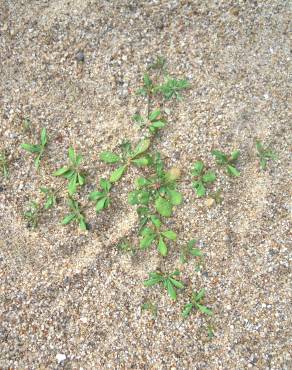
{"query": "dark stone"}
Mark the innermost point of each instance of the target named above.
(80, 57)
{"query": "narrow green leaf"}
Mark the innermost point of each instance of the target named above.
(234, 155)
(170, 290)
(142, 162)
(162, 247)
(118, 173)
(95, 195)
(147, 241)
(233, 171)
(187, 310)
(158, 124)
(175, 197)
(204, 309)
(169, 234)
(68, 219)
(72, 186)
(197, 168)
(82, 224)
(209, 177)
(109, 157)
(72, 154)
(100, 204)
(199, 188)
(176, 283)
(155, 114)
(200, 295)
(142, 146)
(105, 185)
(31, 148)
(44, 137)
(61, 171)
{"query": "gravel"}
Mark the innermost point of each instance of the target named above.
(71, 299)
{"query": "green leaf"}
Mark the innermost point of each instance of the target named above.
(177, 284)
(197, 168)
(233, 171)
(163, 206)
(156, 221)
(204, 309)
(199, 188)
(147, 241)
(220, 156)
(170, 290)
(162, 247)
(44, 190)
(142, 146)
(95, 195)
(263, 164)
(100, 204)
(105, 185)
(175, 197)
(72, 186)
(169, 234)
(147, 81)
(118, 173)
(196, 252)
(152, 281)
(82, 224)
(141, 162)
(78, 159)
(157, 124)
(49, 203)
(187, 309)
(141, 182)
(109, 157)
(209, 177)
(234, 155)
(72, 154)
(44, 137)
(69, 174)
(68, 219)
(200, 295)
(61, 171)
(155, 114)
(31, 148)
(81, 179)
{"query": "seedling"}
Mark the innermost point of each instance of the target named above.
(101, 198)
(32, 214)
(127, 158)
(160, 188)
(37, 149)
(72, 172)
(167, 280)
(172, 88)
(189, 251)
(4, 164)
(75, 215)
(154, 123)
(154, 234)
(151, 307)
(202, 178)
(265, 154)
(158, 64)
(50, 197)
(125, 247)
(217, 196)
(227, 161)
(196, 303)
(148, 87)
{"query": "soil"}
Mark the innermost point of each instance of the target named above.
(71, 299)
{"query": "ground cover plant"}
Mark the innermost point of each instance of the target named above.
(155, 193)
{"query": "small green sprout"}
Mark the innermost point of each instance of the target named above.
(148, 86)
(154, 234)
(4, 164)
(196, 304)
(265, 154)
(154, 123)
(189, 251)
(125, 247)
(228, 161)
(75, 215)
(50, 197)
(172, 88)
(202, 178)
(32, 214)
(160, 188)
(101, 198)
(151, 307)
(72, 172)
(168, 280)
(37, 149)
(127, 158)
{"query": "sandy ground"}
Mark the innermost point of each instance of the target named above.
(69, 293)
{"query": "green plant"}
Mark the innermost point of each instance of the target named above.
(154, 122)
(154, 234)
(172, 87)
(159, 188)
(75, 215)
(50, 197)
(151, 307)
(101, 198)
(202, 178)
(196, 303)
(127, 158)
(37, 149)
(32, 214)
(125, 247)
(227, 161)
(265, 154)
(4, 164)
(189, 251)
(167, 280)
(159, 64)
(72, 172)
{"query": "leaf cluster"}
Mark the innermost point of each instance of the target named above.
(50, 197)
(169, 282)
(72, 172)
(202, 177)
(32, 214)
(227, 161)
(264, 154)
(101, 198)
(196, 303)
(153, 123)
(189, 250)
(75, 215)
(37, 149)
